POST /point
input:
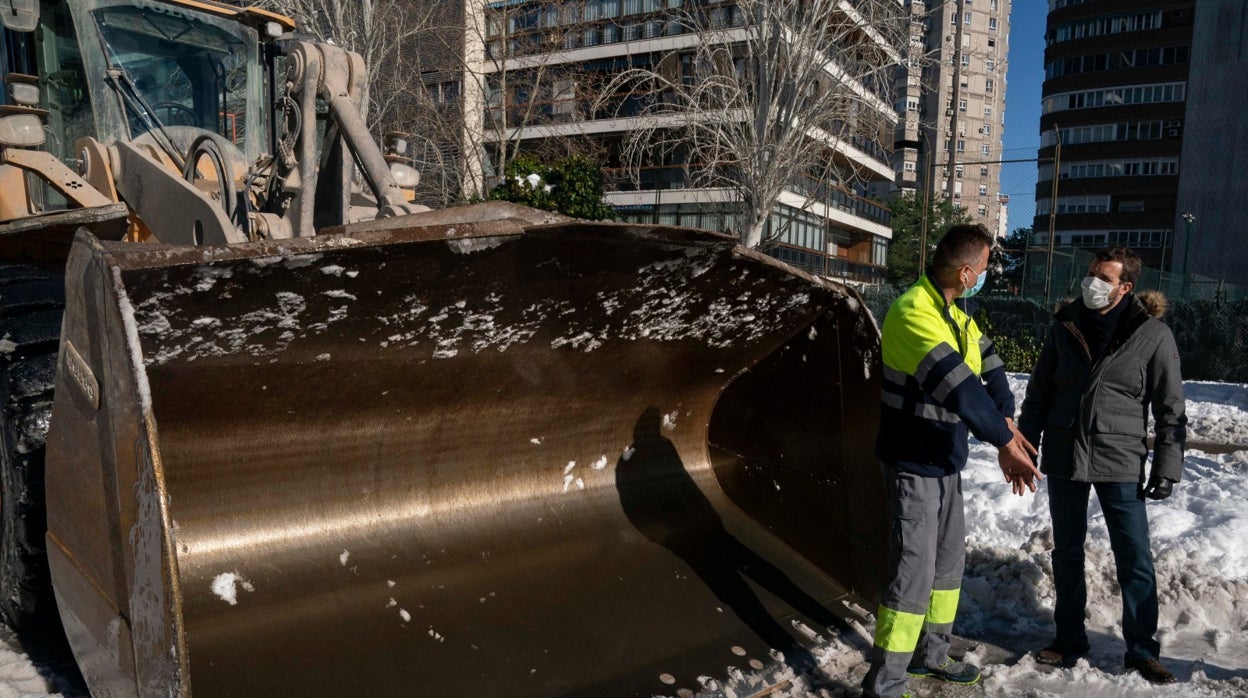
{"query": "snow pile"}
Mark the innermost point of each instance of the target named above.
(19, 678)
(1198, 539)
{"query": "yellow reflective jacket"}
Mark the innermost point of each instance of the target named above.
(942, 376)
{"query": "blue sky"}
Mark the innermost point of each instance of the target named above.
(1022, 107)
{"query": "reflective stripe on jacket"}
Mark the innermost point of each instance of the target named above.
(941, 377)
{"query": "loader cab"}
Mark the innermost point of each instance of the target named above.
(167, 72)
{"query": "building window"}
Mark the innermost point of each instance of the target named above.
(1101, 26)
(989, 85)
(983, 190)
(992, 24)
(1138, 238)
(1116, 96)
(985, 150)
(908, 167)
(966, 19)
(961, 146)
(1131, 207)
(1115, 60)
(987, 112)
(1116, 168)
(961, 105)
(1099, 133)
(1079, 204)
(1086, 240)
(982, 210)
(990, 64)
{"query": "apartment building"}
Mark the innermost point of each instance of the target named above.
(1212, 188)
(951, 105)
(1115, 98)
(536, 69)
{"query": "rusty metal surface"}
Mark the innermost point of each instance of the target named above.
(49, 235)
(579, 461)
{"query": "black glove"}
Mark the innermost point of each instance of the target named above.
(1158, 487)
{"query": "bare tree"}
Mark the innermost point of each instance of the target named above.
(466, 82)
(516, 87)
(766, 97)
(534, 94)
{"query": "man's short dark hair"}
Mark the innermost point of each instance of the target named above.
(961, 246)
(1129, 260)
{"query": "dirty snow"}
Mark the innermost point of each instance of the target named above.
(1199, 538)
(1200, 544)
(660, 306)
(669, 420)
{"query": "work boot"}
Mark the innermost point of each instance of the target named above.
(951, 671)
(1063, 654)
(1152, 670)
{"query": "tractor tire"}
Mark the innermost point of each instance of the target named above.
(32, 300)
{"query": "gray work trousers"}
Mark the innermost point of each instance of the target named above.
(926, 556)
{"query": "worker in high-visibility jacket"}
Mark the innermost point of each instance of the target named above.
(941, 379)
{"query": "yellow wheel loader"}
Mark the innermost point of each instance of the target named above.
(296, 436)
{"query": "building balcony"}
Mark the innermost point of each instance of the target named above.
(832, 266)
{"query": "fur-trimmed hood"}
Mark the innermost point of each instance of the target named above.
(1154, 302)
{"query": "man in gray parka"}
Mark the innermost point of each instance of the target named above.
(1107, 361)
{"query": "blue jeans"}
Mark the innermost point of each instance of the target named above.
(1123, 504)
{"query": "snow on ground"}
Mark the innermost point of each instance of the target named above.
(1200, 542)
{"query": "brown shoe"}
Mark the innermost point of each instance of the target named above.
(1152, 670)
(1063, 654)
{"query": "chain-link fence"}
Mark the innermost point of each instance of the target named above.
(1065, 267)
(1212, 335)
(1209, 316)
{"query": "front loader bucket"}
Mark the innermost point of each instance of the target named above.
(466, 460)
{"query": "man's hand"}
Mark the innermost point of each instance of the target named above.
(1158, 487)
(1017, 461)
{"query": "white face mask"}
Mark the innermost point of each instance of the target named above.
(1096, 292)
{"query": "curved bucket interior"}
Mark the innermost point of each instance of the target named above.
(577, 460)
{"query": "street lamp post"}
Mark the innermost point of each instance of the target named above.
(1189, 219)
